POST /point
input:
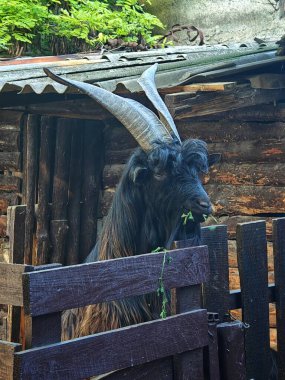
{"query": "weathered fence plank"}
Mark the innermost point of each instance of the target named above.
(232, 351)
(211, 352)
(216, 291)
(31, 174)
(7, 351)
(102, 353)
(91, 187)
(279, 264)
(16, 233)
(252, 261)
(59, 223)
(189, 365)
(87, 284)
(11, 289)
(74, 194)
(161, 369)
(44, 187)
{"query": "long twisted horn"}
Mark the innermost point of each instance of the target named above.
(147, 82)
(141, 122)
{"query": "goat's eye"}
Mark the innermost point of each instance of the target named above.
(160, 177)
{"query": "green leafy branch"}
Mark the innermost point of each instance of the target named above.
(161, 292)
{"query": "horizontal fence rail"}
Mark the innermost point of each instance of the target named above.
(105, 352)
(75, 286)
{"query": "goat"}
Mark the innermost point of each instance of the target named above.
(160, 182)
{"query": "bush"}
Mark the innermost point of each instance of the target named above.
(66, 26)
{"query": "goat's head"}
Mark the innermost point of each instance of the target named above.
(169, 170)
(171, 177)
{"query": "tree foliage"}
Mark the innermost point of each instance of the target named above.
(64, 26)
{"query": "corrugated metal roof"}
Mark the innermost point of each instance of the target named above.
(177, 65)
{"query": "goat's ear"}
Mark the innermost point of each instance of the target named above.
(214, 158)
(138, 174)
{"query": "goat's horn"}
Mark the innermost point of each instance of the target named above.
(142, 123)
(147, 82)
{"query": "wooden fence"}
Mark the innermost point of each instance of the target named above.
(189, 345)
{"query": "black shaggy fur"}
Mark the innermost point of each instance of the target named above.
(154, 191)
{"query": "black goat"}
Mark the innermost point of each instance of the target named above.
(161, 182)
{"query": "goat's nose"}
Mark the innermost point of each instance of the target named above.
(203, 203)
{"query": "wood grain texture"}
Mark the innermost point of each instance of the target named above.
(33, 125)
(6, 200)
(16, 233)
(9, 183)
(93, 148)
(74, 194)
(225, 131)
(233, 263)
(3, 226)
(250, 151)
(211, 352)
(102, 353)
(86, 284)
(7, 351)
(252, 258)
(44, 190)
(10, 161)
(161, 369)
(59, 223)
(9, 139)
(216, 290)
(232, 350)
(279, 254)
(265, 174)
(232, 221)
(247, 200)
(184, 105)
(11, 289)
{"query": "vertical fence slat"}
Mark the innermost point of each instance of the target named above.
(216, 290)
(91, 187)
(59, 223)
(252, 263)
(189, 365)
(74, 195)
(44, 189)
(211, 352)
(31, 173)
(41, 330)
(7, 351)
(279, 269)
(231, 351)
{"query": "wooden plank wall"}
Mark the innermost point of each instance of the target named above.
(10, 124)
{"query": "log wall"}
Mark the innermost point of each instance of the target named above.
(10, 166)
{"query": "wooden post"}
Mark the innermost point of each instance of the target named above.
(232, 351)
(59, 223)
(252, 264)
(92, 174)
(216, 290)
(44, 187)
(31, 168)
(7, 351)
(188, 365)
(211, 352)
(279, 269)
(75, 180)
(44, 329)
